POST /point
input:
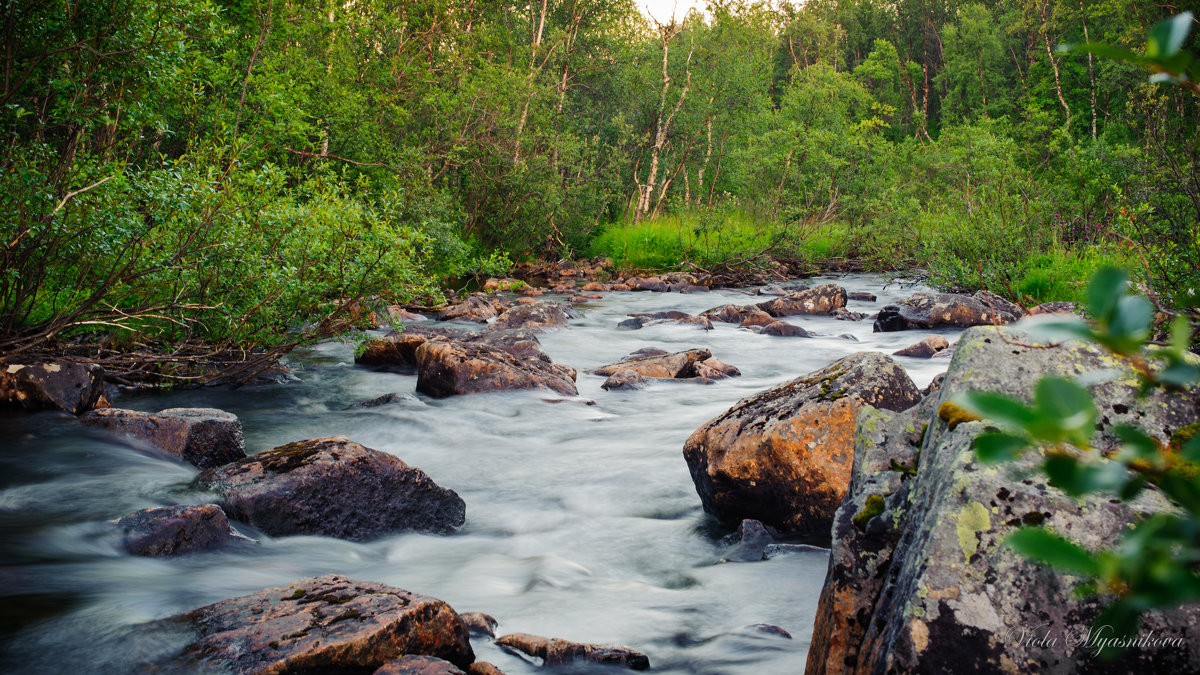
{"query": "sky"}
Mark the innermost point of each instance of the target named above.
(661, 9)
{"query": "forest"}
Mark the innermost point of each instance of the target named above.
(235, 174)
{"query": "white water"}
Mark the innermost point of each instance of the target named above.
(582, 521)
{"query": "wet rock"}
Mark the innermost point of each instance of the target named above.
(848, 337)
(594, 287)
(399, 348)
(418, 665)
(333, 487)
(64, 385)
(633, 323)
(670, 316)
(785, 329)
(502, 360)
(920, 579)
(729, 313)
(532, 316)
(843, 314)
(926, 348)
(823, 299)
(556, 652)
(769, 629)
(624, 380)
(479, 623)
(621, 287)
(397, 314)
(783, 456)
(756, 317)
(327, 624)
(386, 399)
(772, 551)
(175, 530)
(483, 668)
(1056, 308)
(749, 542)
(646, 351)
(861, 296)
(944, 353)
(714, 369)
(647, 284)
(947, 310)
(202, 437)
(693, 288)
(478, 308)
(677, 365)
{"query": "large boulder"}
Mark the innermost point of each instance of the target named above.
(783, 456)
(532, 316)
(334, 487)
(65, 385)
(558, 652)
(413, 664)
(478, 307)
(202, 437)
(670, 366)
(920, 579)
(174, 530)
(823, 299)
(947, 310)
(399, 348)
(327, 624)
(499, 360)
(729, 313)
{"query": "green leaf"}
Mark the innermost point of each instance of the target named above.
(1078, 478)
(1107, 51)
(1191, 450)
(1003, 409)
(1040, 545)
(1106, 288)
(1167, 36)
(1066, 404)
(993, 446)
(1129, 326)
(1138, 444)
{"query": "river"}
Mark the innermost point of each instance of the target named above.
(582, 520)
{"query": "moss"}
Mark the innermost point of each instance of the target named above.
(296, 594)
(289, 457)
(954, 415)
(871, 508)
(349, 614)
(921, 440)
(1182, 435)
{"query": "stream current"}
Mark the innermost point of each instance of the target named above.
(582, 520)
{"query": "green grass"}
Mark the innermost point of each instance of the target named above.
(712, 238)
(1063, 274)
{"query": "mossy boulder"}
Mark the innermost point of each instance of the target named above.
(947, 310)
(783, 456)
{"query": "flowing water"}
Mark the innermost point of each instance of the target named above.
(582, 520)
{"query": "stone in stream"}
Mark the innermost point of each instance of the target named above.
(328, 624)
(412, 664)
(843, 314)
(479, 623)
(483, 668)
(399, 348)
(386, 399)
(477, 307)
(920, 579)
(557, 652)
(677, 365)
(729, 313)
(333, 487)
(947, 310)
(670, 316)
(500, 360)
(756, 318)
(783, 456)
(784, 329)
(202, 437)
(174, 530)
(926, 348)
(532, 316)
(65, 385)
(823, 299)
(861, 296)
(625, 379)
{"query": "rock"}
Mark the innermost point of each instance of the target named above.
(321, 625)
(646, 351)
(174, 530)
(621, 287)
(769, 629)
(483, 668)
(1056, 308)
(784, 329)
(920, 579)
(626, 379)
(556, 652)
(397, 314)
(386, 399)
(861, 296)
(670, 317)
(479, 623)
(593, 287)
(65, 385)
(532, 316)
(843, 314)
(679, 364)
(749, 541)
(944, 353)
(399, 348)
(926, 348)
(647, 284)
(713, 369)
(947, 310)
(202, 437)
(476, 308)
(756, 317)
(729, 313)
(848, 337)
(823, 299)
(333, 487)
(633, 323)
(783, 456)
(418, 665)
(772, 551)
(935, 385)
(693, 288)
(494, 361)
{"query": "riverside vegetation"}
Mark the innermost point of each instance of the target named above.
(187, 180)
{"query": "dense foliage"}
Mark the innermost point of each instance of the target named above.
(224, 170)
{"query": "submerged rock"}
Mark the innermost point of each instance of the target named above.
(64, 385)
(926, 348)
(203, 437)
(920, 579)
(479, 623)
(861, 296)
(328, 624)
(947, 310)
(783, 456)
(174, 530)
(823, 299)
(625, 379)
(386, 399)
(669, 316)
(785, 329)
(333, 487)
(556, 652)
(679, 364)
(500, 360)
(532, 316)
